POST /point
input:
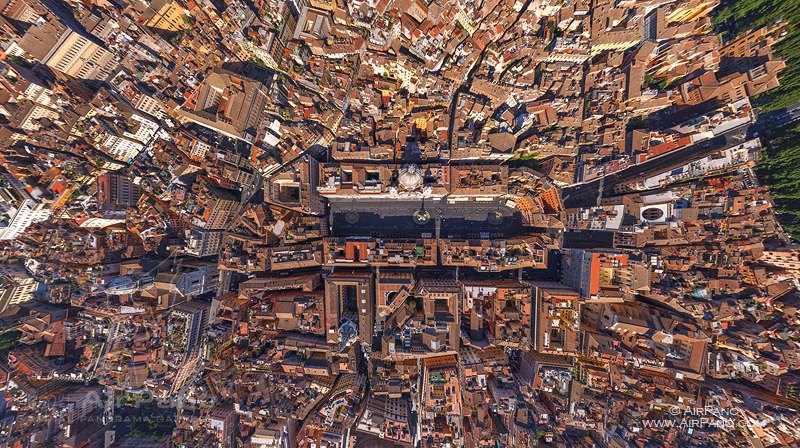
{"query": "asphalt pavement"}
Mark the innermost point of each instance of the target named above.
(394, 218)
(776, 119)
(585, 194)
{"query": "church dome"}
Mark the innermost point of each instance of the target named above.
(410, 178)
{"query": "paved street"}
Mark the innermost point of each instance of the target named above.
(586, 194)
(394, 218)
(777, 118)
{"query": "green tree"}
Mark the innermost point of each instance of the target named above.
(9, 339)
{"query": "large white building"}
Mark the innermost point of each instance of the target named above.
(77, 56)
(66, 50)
(16, 286)
(28, 213)
(128, 145)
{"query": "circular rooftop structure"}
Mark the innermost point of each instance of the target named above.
(652, 213)
(410, 178)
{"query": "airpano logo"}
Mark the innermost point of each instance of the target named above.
(706, 418)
